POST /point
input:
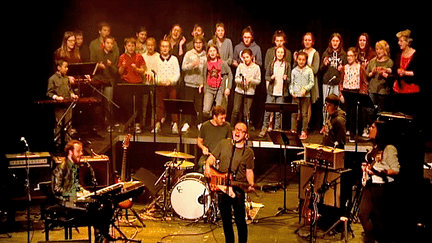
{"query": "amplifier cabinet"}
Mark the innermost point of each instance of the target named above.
(18, 177)
(334, 158)
(336, 195)
(100, 165)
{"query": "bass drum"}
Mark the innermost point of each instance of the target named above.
(190, 197)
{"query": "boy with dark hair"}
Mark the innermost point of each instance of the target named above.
(335, 123)
(107, 73)
(131, 65)
(211, 133)
(59, 88)
(104, 30)
(131, 69)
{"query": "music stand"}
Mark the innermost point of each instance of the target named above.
(362, 100)
(287, 139)
(281, 107)
(78, 69)
(181, 107)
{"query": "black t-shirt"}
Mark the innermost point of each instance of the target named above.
(243, 159)
(212, 134)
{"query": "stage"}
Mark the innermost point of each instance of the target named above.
(269, 176)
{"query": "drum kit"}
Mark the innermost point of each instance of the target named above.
(186, 193)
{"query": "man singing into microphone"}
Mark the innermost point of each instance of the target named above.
(238, 159)
(335, 124)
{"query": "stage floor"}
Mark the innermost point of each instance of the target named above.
(266, 228)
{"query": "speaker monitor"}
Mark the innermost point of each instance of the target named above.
(149, 180)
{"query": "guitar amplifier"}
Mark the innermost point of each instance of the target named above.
(334, 158)
(339, 191)
(100, 165)
(33, 159)
(39, 164)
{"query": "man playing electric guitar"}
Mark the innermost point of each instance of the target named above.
(237, 160)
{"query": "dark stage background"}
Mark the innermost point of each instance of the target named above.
(44, 25)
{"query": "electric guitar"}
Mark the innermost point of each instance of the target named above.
(218, 182)
(126, 204)
(372, 157)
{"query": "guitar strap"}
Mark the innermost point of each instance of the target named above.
(230, 164)
(234, 172)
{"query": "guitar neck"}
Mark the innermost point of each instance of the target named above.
(123, 170)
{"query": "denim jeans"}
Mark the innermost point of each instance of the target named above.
(239, 101)
(209, 97)
(278, 115)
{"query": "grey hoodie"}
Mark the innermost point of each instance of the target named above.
(194, 76)
(256, 50)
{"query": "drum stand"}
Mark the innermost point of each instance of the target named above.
(213, 214)
(166, 180)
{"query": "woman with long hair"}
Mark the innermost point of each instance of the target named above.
(68, 50)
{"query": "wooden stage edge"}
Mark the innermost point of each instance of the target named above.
(254, 143)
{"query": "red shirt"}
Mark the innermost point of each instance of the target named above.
(129, 73)
(214, 73)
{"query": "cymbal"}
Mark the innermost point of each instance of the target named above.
(175, 154)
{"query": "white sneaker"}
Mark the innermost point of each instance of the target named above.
(157, 128)
(185, 127)
(174, 128)
(138, 128)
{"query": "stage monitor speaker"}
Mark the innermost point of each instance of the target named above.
(332, 196)
(149, 180)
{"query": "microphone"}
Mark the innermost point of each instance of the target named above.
(25, 142)
(154, 77)
(332, 78)
(335, 145)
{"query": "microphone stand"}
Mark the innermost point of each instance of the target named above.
(154, 105)
(29, 198)
(244, 99)
(112, 166)
(94, 180)
(328, 93)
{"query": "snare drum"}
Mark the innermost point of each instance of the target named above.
(190, 197)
